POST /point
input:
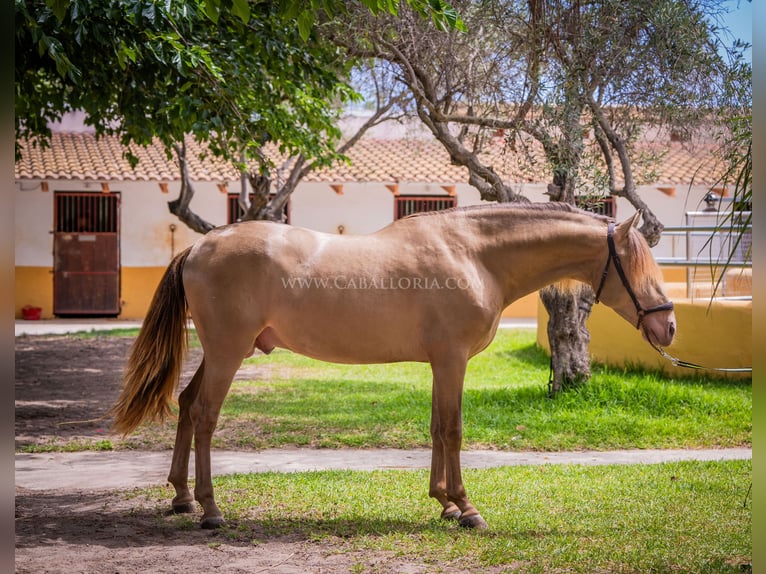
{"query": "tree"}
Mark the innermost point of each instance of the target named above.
(233, 74)
(579, 78)
(736, 151)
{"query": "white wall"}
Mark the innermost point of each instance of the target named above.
(362, 208)
(34, 224)
(144, 219)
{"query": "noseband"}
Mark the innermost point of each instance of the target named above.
(614, 258)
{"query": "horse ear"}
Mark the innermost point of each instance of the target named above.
(632, 221)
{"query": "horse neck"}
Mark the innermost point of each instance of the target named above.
(529, 251)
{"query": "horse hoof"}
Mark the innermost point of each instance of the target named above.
(473, 521)
(212, 522)
(451, 515)
(183, 508)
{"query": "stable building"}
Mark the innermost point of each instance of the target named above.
(94, 235)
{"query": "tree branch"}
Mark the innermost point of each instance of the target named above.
(180, 206)
(652, 227)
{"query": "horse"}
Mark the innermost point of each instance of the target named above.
(427, 288)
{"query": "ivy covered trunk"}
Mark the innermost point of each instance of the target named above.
(568, 336)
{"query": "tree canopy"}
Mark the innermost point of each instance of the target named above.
(233, 73)
(147, 69)
(582, 79)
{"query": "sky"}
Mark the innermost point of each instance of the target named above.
(739, 20)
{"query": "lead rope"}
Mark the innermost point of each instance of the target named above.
(673, 360)
(614, 259)
(686, 364)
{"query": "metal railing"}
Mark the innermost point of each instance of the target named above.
(709, 252)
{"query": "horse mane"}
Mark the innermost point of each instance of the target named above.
(640, 266)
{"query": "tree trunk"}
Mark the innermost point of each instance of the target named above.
(180, 206)
(568, 336)
(568, 312)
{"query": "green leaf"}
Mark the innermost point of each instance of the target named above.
(241, 9)
(291, 10)
(59, 8)
(213, 9)
(305, 24)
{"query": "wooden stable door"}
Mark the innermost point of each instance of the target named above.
(86, 254)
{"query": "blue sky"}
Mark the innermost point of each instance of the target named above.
(739, 21)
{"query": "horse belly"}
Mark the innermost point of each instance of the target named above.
(343, 342)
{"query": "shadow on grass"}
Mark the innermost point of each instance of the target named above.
(113, 520)
(531, 355)
(534, 356)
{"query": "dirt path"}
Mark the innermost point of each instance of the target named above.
(102, 532)
(60, 379)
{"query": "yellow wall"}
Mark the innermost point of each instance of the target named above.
(34, 286)
(717, 335)
(523, 308)
(674, 274)
(138, 285)
(526, 307)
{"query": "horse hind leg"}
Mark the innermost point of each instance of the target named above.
(179, 468)
(214, 386)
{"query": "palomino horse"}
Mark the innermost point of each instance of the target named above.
(426, 288)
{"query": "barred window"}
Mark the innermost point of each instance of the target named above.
(408, 204)
(235, 212)
(86, 212)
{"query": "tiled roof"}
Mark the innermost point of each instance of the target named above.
(80, 156)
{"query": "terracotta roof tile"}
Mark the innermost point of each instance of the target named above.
(80, 156)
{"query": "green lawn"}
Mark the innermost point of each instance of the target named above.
(299, 401)
(687, 517)
(690, 517)
(290, 400)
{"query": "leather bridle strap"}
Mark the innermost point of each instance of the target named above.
(615, 259)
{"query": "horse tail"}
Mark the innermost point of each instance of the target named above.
(154, 365)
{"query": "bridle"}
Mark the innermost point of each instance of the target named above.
(614, 258)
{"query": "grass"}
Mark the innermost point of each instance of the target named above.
(292, 400)
(673, 517)
(684, 517)
(299, 401)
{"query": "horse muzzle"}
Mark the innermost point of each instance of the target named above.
(659, 328)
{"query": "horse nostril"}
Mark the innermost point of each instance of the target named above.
(672, 330)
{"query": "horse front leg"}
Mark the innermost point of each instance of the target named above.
(438, 486)
(447, 430)
(179, 467)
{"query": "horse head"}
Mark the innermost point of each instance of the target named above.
(632, 284)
